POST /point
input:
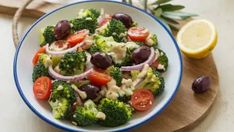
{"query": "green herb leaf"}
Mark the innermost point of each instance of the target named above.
(178, 15)
(170, 20)
(157, 12)
(170, 7)
(158, 2)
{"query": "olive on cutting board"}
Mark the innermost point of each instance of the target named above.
(201, 84)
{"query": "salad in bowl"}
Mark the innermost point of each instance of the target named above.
(98, 68)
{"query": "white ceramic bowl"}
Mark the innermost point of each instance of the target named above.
(30, 43)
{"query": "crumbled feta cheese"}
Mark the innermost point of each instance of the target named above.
(82, 94)
(127, 86)
(103, 91)
(118, 52)
(88, 18)
(149, 41)
(112, 90)
(74, 123)
(161, 54)
(114, 33)
(60, 87)
(123, 34)
(112, 95)
(101, 115)
(160, 66)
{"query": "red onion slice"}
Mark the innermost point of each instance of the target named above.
(140, 66)
(73, 49)
(89, 65)
(58, 76)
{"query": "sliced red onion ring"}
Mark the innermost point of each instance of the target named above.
(89, 65)
(73, 49)
(57, 76)
(141, 65)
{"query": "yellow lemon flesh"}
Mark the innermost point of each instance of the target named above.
(197, 38)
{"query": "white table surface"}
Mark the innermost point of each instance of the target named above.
(16, 116)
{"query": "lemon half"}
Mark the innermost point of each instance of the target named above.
(197, 38)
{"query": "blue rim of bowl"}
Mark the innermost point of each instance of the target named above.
(68, 129)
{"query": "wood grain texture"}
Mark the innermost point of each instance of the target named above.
(186, 110)
(36, 9)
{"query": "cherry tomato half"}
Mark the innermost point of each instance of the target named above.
(142, 99)
(42, 88)
(37, 55)
(98, 78)
(76, 38)
(138, 34)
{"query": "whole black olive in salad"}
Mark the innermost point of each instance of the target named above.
(124, 18)
(90, 90)
(201, 84)
(141, 54)
(62, 29)
(101, 60)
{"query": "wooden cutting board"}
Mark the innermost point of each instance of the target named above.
(186, 110)
(36, 9)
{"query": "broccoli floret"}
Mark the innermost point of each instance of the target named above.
(162, 84)
(45, 59)
(48, 35)
(39, 70)
(62, 89)
(92, 13)
(84, 23)
(117, 113)
(116, 74)
(62, 99)
(152, 40)
(124, 98)
(61, 108)
(134, 74)
(153, 81)
(86, 115)
(55, 60)
(102, 43)
(162, 61)
(73, 63)
(93, 49)
(116, 29)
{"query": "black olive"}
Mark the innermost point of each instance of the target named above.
(90, 90)
(141, 54)
(124, 18)
(201, 84)
(101, 60)
(62, 29)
